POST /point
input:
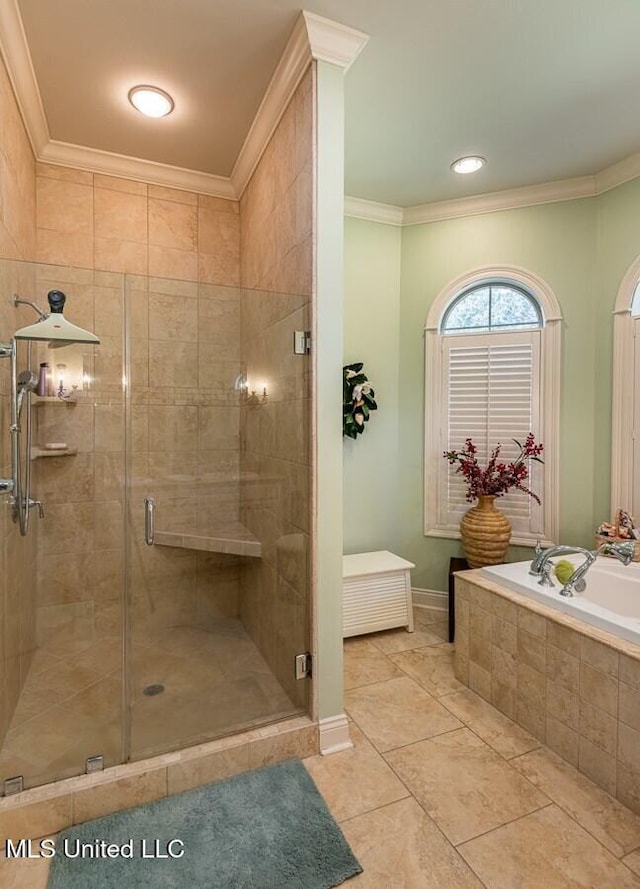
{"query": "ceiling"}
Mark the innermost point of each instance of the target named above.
(545, 90)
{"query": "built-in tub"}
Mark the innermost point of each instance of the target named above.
(610, 601)
(565, 669)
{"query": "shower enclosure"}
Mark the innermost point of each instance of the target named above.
(163, 597)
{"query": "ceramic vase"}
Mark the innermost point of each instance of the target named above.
(485, 533)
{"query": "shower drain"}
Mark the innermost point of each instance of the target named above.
(155, 689)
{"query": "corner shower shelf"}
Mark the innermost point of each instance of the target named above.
(233, 539)
(37, 452)
(51, 399)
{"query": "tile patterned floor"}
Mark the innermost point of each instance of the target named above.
(443, 792)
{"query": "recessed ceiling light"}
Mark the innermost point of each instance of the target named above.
(151, 101)
(469, 164)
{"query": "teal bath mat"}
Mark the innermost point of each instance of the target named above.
(268, 829)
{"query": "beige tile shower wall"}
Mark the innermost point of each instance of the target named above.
(17, 242)
(181, 251)
(185, 412)
(80, 560)
(17, 179)
(121, 225)
(276, 209)
(276, 259)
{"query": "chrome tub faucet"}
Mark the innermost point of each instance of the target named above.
(542, 567)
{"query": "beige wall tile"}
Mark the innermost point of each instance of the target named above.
(532, 623)
(173, 318)
(504, 635)
(120, 216)
(532, 651)
(115, 796)
(598, 765)
(172, 263)
(113, 183)
(598, 727)
(64, 248)
(116, 255)
(480, 636)
(67, 174)
(629, 747)
(629, 706)
(628, 787)
(563, 669)
(480, 680)
(504, 609)
(36, 819)
(173, 224)
(286, 745)
(64, 207)
(630, 670)
(599, 656)
(599, 689)
(195, 772)
(564, 638)
(563, 704)
(172, 194)
(563, 740)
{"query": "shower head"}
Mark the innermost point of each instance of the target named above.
(54, 327)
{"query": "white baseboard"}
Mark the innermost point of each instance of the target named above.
(334, 734)
(435, 600)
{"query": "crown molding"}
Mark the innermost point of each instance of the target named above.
(294, 61)
(313, 38)
(527, 196)
(332, 42)
(624, 171)
(359, 208)
(123, 166)
(17, 59)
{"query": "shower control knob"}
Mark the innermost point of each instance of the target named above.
(40, 506)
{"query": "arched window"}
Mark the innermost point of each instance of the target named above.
(491, 307)
(625, 443)
(491, 340)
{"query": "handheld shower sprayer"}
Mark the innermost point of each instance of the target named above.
(26, 382)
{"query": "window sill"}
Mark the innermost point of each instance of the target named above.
(516, 540)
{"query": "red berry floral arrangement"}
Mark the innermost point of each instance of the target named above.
(497, 478)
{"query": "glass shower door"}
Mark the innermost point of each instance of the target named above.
(61, 700)
(218, 590)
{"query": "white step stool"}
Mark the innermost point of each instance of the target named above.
(376, 590)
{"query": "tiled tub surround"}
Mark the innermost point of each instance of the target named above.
(573, 686)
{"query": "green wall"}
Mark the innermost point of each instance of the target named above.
(582, 249)
(371, 324)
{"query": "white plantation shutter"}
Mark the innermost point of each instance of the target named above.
(491, 386)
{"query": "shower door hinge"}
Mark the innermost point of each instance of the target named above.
(301, 342)
(94, 764)
(13, 785)
(302, 665)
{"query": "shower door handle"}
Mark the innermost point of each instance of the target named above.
(149, 508)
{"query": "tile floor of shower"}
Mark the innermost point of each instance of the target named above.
(441, 790)
(215, 682)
